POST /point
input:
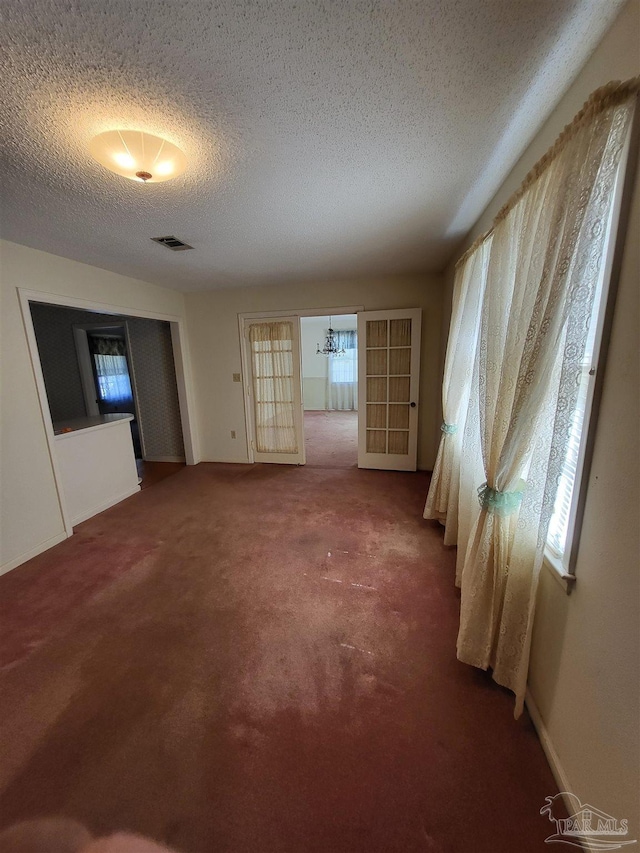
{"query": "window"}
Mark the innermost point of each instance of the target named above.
(343, 368)
(559, 524)
(112, 374)
(109, 352)
(565, 519)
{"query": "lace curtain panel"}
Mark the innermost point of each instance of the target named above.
(342, 374)
(442, 500)
(535, 283)
(273, 389)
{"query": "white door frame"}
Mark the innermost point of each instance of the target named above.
(246, 363)
(180, 355)
(89, 390)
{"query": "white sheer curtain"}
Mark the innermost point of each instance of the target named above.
(543, 265)
(273, 388)
(468, 289)
(342, 373)
(113, 378)
(112, 370)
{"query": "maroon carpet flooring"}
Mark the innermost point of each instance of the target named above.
(261, 658)
(331, 439)
(154, 472)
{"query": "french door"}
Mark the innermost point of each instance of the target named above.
(273, 351)
(388, 382)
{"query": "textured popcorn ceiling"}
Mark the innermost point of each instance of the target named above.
(326, 140)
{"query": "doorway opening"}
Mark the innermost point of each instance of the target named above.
(330, 391)
(385, 388)
(100, 366)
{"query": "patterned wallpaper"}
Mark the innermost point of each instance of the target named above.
(155, 387)
(151, 363)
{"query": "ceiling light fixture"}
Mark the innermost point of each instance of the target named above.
(138, 156)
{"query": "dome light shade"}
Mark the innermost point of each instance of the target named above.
(138, 155)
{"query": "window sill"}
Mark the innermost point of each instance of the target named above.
(554, 566)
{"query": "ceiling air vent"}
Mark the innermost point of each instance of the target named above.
(172, 243)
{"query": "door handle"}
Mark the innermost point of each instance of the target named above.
(413, 405)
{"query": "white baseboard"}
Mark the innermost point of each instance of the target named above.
(562, 781)
(101, 507)
(238, 461)
(163, 459)
(33, 552)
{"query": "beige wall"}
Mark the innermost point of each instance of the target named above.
(584, 675)
(215, 349)
(314, 367)
(29, 508)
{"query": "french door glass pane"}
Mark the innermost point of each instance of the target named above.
(376, 362)
(376, 416)
(399, 416)
(376, 441)
(376, 390)
(398, 442)
(400, 333)
(399, 389)
(400, 362)
(376, 333)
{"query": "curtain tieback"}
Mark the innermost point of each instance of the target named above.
(500, 503)
(449, 429)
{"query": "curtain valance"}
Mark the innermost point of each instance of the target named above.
(607, 96)
(104, 345)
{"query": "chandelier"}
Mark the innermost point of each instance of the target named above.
(330, 346)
